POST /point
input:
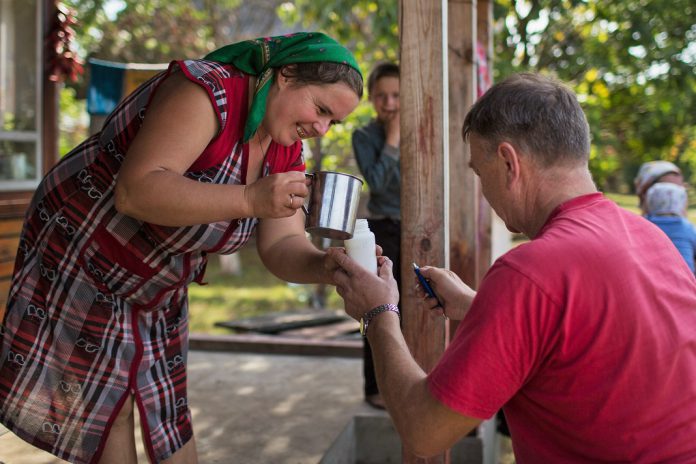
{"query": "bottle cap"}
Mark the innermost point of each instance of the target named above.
(361, 225)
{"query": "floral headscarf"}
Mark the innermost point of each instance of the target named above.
(666, 198)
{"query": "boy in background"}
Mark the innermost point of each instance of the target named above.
(376, 148)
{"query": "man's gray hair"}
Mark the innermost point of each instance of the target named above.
(537, 114)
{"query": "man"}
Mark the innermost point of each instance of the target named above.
(586, 335)
(376, 149)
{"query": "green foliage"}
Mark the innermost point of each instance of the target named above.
(149, 31)
(252, 293)
(632, 64)
(73, 124)
(368, 27)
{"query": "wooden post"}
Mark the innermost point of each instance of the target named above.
(13, 204)
(51, 96)
(464, 186)
(424, 159)
(484, 34)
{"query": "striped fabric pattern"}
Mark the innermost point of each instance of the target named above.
(98, 307)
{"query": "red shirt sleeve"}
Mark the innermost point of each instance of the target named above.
(497, 347)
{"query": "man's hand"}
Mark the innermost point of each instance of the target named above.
(455, 295)
(360, 289)
(330, 264)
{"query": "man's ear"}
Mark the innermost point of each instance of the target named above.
(510, 157)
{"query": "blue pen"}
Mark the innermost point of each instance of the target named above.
(424, 283)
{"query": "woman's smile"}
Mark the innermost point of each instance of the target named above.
(301, 132)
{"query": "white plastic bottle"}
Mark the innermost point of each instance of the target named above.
(361, 247)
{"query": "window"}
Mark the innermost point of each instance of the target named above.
(20, 94)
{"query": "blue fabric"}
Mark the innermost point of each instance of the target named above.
(681, 232)
(105, 86)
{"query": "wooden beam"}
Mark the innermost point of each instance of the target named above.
(464, 186)
(484, 34)
(50, 98)
(424, 161)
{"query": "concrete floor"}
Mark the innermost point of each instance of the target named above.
(255, 408)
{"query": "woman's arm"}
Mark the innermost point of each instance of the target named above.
(289, 255)
(179, 124)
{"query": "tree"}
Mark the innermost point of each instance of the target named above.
(632, 63)
(158, 31)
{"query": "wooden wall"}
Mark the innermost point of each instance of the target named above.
(13, 205)
(9, 239)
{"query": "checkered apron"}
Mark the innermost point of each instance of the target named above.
(98, 307)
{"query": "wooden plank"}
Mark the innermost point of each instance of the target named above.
(9, 240)
(4, 291)
(345, 329)
(424, 191)
(14, 204)
(274, 344)
(6, 269)
(50, 99)
(484, 34)
(10, 227)
(464, 186)
(284, 321)
(423, 160)
(8, 249)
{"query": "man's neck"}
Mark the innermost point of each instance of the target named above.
(554, 187)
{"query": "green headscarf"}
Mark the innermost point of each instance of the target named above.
(258, 57)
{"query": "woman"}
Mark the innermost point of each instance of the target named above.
(652, 172)
(190, 163)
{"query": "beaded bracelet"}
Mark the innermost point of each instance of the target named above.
(368, 316)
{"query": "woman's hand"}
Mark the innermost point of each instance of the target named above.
(455, 295)
(276, 196)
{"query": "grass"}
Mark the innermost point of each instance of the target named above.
(257, 292)
(254, 292)
(630, 202)
(626, 201)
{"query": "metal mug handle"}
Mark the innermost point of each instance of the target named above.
(304, 208)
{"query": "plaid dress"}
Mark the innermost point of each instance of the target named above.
(98, 307)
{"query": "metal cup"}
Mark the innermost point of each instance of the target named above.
(333, 204)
